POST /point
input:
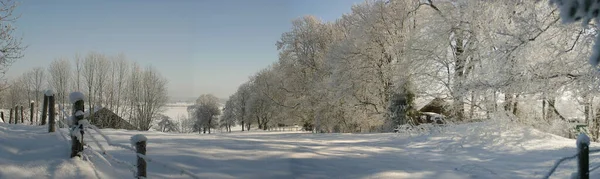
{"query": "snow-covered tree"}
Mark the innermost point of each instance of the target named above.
(230, 112)
(204, 111)
(166, 124)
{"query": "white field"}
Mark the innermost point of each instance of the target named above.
(483, 150)
(174, 110)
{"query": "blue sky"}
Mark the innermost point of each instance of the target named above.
(200, 46)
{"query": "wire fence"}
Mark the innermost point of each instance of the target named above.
(101, 151)
(582, 155)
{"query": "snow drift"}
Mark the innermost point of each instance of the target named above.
(478, 150)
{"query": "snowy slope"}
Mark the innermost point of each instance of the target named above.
(483, 150)
(29, 152)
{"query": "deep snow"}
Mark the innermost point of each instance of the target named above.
(482, 150)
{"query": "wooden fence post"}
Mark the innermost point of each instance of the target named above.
(76, 145)
(140, 148)
(583, 142)
(16, 114)
(10, 116)
(45, 110)
(31, 106)
(51, 114)
(22, 116)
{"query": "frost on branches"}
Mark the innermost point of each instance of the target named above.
(586, 10)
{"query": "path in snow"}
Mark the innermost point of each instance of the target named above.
(467, 151)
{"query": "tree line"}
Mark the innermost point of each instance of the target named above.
(136, 93)
(371, 69)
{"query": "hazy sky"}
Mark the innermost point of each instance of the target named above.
(200, 46)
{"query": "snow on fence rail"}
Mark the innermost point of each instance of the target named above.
(78, 125)
(583, 164)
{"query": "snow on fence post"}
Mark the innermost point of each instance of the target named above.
(31, 106)
(583, 143)
(139, 141)
(51, 111)
(45, 110)
(77, 125)
(10, 116)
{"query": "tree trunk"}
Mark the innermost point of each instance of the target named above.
(544, 114)
(586, 110)
(16, 114)
(22, 115)
(515, 105)
(596, 127)
(508, 98)
(472, 108)
(459, 70)
(51, 114)
(10, 116)
(45, 110)
(243, 126)
(550, 110)
(31, 114)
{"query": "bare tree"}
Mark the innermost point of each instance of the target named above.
(122, 67)
(149, 97)
(36, 79)
(90, 68)
(15, 93)
(11, 48)
(59, 79)
(77, 73)
(230, 112)
(133, 94)
(103, 66)
(204, 111)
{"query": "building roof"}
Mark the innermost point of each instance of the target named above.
(105, 118)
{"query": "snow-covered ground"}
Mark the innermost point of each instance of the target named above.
(482, 150)
(175, 110)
